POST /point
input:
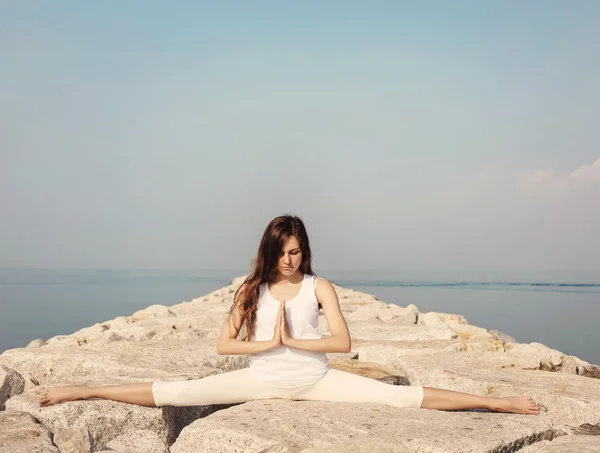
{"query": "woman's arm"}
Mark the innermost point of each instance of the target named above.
(229, 344)
(339, 341)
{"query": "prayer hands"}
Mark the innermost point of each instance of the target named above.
(284, 328)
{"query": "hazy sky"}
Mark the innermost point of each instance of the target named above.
(421, 135)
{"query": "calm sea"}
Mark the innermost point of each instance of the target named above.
(559, 309)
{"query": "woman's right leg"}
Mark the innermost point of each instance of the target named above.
(226, 388)
(138, 393)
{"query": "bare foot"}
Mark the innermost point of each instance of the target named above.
(56, 395)
(516, 405)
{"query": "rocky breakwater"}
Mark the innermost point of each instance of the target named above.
(398, 345)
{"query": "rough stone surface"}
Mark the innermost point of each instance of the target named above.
(566, 444)
(137, 441)
(22, 433)
(73, 440)
(592, 371)
(106, 420)
(276, 425)
(504, 338)
(11, 383)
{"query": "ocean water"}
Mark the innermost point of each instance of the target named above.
(559, 309)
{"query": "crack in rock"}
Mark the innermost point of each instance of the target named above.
(587, 429)
(523, 442)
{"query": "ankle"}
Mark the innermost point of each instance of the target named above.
(84, 393)
(496, 404)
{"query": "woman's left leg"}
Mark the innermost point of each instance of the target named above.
(450, 401)
(341, 386)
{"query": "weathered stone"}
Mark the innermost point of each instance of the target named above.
(380, 330)
(36, 343)
(432, 318)
(137, 441)
(543, 358)
(370, 370)
(119, 362)
(346, 427)
(73, 439)
(504, 338)
(566, 444)
(22, 433)
(592, 371)
(588, 429)
(106, 420)
(11, 383)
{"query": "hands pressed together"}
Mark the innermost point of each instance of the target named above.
(281, 334)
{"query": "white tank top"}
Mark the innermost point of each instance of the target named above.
(284, 364)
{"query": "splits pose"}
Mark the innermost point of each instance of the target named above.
(274, 319)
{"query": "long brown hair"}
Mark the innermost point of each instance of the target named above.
(265, 266)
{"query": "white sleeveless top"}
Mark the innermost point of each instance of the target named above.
(284, 364)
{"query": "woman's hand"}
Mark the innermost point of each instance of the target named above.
(277, 330)
(284, 328)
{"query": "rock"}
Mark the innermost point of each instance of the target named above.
(398, 315)
(73, 440)
(392, 332)
(371, 310)
(119, 362)
(566, 444)
(137, 441)
(370, 370)
(395, 380)
(153, 311)
(36, 343)
(502, 337)
(22, 433)
(588, 429)
(592, 371)
(279, 425)
(432, 318)
(543, 358)
(11, 383)
(104, 419)
(466, 331)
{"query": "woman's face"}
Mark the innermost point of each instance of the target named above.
(290, 257)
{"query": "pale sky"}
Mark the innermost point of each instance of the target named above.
(437, 135)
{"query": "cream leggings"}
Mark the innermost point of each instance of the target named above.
(241, 386)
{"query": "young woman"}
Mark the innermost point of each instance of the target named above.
(277, 307)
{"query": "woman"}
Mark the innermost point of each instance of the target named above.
(278, 308)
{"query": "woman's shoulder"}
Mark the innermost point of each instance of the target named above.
(320, 282)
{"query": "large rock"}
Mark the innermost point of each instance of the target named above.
(379, 330)
(22, 433)
(568, 400)
(120, 362)
(299, 426)
(11, 383)
(541, 357)
(106, 420)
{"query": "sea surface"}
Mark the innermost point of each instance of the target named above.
(558, 309)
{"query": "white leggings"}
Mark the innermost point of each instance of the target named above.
(241, 386)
